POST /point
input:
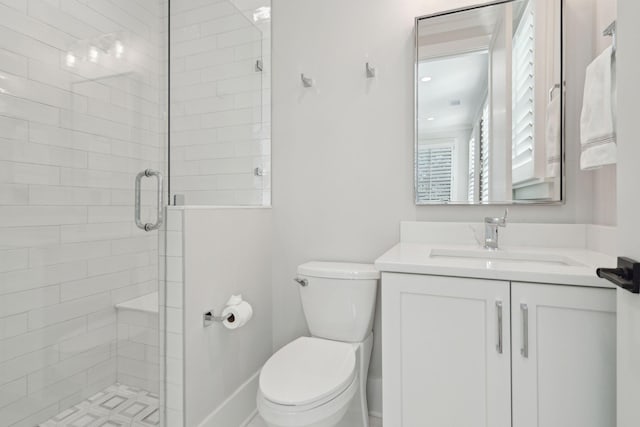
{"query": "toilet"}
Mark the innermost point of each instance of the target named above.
(320, 381)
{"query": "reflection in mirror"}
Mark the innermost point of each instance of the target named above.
(489, 105)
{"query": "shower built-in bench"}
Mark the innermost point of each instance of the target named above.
(133, 400)
(138, 350)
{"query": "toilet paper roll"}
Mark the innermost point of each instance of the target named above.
(242, 313)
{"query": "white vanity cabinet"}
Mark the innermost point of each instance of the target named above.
(461, 352)
(564, 356)
(446, 351)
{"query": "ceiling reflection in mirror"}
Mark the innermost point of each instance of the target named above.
(489, 105)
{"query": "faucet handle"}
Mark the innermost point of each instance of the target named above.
(502, 222)
(499, 221)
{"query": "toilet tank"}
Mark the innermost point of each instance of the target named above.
(339, 299)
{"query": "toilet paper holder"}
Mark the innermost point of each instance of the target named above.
(209, 318)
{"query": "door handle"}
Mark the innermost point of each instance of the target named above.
(626, 275)
(524, 350)
(499, 311)
(147, 173)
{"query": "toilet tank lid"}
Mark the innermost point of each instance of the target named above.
(339, 270)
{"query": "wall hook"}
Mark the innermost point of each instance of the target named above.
(306, 81)
(371, 71)
(611, 32)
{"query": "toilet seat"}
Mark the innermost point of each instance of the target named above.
(308, 372)
(320, 414)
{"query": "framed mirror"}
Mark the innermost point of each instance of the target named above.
(489, 113)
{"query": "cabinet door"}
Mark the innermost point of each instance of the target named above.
(445, 364)
(564, 356)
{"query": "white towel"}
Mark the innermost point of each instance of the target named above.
(553, 137)
(597, 132)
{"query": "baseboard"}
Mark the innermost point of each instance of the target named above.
(238, 409)
(249, 418)
(374, 396)
(375, 414)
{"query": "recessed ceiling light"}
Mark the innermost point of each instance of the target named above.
(262, 14)
(70, 59)
(425, 79)
(119, 47)
(430, 119)
(93, 54)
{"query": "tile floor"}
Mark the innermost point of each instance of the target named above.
(259, 422)
(117, 405)
(120, 405)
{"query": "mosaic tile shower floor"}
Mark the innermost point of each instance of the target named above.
(116, 406)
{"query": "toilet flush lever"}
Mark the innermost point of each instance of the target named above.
(301, 282)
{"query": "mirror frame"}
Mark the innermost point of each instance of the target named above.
(563, 138)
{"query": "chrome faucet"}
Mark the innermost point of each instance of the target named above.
(491, 225)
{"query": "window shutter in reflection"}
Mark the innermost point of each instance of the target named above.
(484, 155)
(523, 98)
(435, 173)
(471, 197)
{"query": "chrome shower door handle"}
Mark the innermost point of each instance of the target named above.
(524, 350)
(147, 173)
(499, 311)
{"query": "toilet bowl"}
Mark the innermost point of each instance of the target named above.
(308, 383)
(328, 414)
(320, 381)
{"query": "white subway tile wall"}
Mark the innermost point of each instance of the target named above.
(171, 323)
(81, 112)
(220, 101)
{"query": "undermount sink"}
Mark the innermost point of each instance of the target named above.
(506, 256)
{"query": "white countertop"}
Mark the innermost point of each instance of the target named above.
(414, 258)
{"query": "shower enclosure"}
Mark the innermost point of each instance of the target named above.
(110, 110)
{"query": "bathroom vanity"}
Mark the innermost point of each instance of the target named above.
(521, 336)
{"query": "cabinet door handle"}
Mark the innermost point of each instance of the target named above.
(524, 350)
(499, 311)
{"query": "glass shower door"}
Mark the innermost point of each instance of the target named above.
(82, 102)
(220, 72)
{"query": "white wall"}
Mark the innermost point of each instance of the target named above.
(628, 316)
(604, 179)
(227, 251)
(72, 138)
(343, 150)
